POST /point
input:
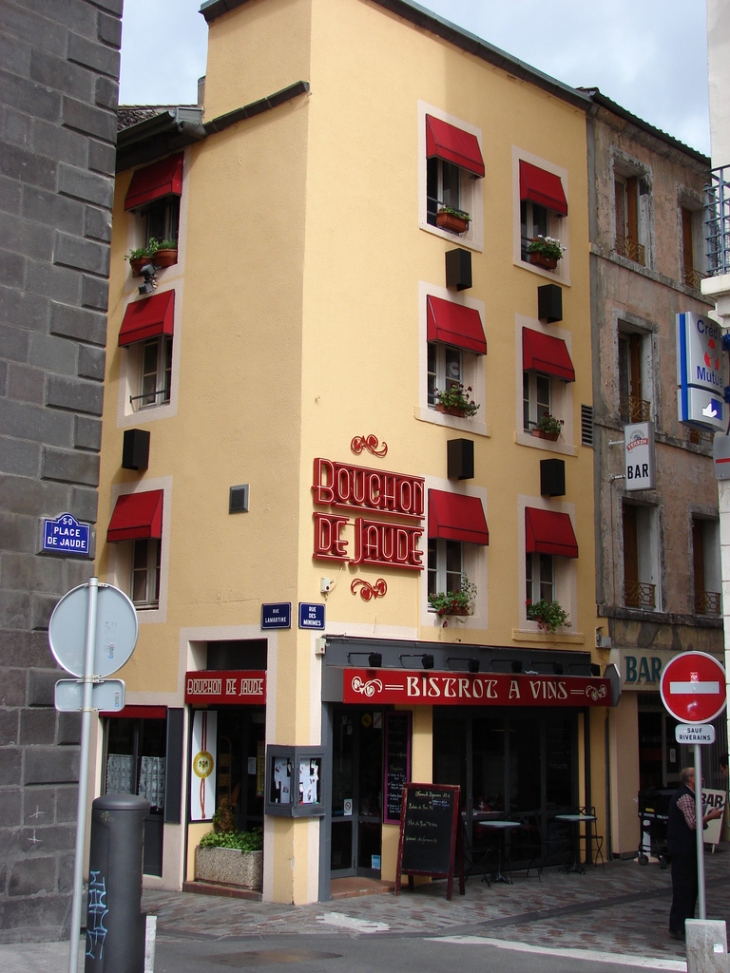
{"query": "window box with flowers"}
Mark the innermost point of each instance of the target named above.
(545, 251)
(161, 253)
(456, 400)
(459, 602)
(548, 427)
(454, 220)
(549, 615)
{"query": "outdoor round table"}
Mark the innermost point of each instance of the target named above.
(575, 820)
(501, 827)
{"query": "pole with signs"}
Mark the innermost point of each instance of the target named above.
(92, 633)
(692, 688)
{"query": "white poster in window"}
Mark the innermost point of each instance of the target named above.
(309, 781)
(281, 774)
(712, 799)
(203, 765)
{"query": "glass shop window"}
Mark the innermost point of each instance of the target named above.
(135, 762)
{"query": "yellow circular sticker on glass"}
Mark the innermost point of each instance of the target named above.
(203, 764)
(366, 719)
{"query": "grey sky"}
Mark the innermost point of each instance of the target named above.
(650, 56)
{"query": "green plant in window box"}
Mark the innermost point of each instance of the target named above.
(163, 253)
(456, 220)
(459, 602)
(548, 427)
(456, 400)
(242, 841)
(549, 615)
(545, 251)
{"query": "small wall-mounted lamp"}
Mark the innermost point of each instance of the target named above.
(468, 665)
(375, 659)
(426, 658)
(149, 272)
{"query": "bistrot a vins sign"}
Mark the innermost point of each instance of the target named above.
(358, 489)
(639, 456)
(384, 686)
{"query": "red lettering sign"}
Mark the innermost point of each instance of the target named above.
(379, 543)
(469, 689)
(245, 686)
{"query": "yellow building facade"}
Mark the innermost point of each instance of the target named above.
(284, 494)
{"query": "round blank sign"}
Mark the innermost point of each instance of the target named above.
(116, 630)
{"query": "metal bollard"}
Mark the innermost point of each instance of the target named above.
(115, 923)
(706, 946)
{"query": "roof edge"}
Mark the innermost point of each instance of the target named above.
(426, 20)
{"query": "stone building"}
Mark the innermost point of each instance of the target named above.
(58, 97)
(658, 549)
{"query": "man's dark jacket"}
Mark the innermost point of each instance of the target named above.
(681, 839)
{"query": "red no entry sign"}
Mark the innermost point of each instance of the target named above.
(693, 687)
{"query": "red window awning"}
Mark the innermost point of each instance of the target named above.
(546, 354)
(542, 187)
(148, 318)
(163, 178)
(136, 516)
(455, 517)
(455, 324)
(453, 145)
(549, 532)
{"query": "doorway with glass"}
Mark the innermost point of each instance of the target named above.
(357, 792)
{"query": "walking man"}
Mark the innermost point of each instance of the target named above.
(682, 849)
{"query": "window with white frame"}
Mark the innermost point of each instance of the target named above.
(454, 346)
(445, 368)
(134, 536)
(145, 567)
(537, 398)
(445, 566)
(539, 578)
(543, 203)
(547, 369)
(154, 371)
(154, 196)
(146, 340)
(451, 169)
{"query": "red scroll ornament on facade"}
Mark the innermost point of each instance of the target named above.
(382, 543)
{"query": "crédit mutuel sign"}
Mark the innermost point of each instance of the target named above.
(359, 490)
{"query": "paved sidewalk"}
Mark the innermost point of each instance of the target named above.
(619, 908)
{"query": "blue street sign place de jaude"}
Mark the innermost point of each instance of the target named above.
(65, 535)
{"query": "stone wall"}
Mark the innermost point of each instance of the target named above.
(59, 71)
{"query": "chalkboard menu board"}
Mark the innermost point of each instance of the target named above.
(430, 838)
(397, 764)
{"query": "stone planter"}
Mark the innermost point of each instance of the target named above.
(542, 260)
(451, 222)
(165, 258)
(228, 866)
(450, 410)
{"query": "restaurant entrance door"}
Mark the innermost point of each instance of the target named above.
(357, 791)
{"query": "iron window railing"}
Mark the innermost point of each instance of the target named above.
(707, 603)
(639, 594)
(717, 222)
